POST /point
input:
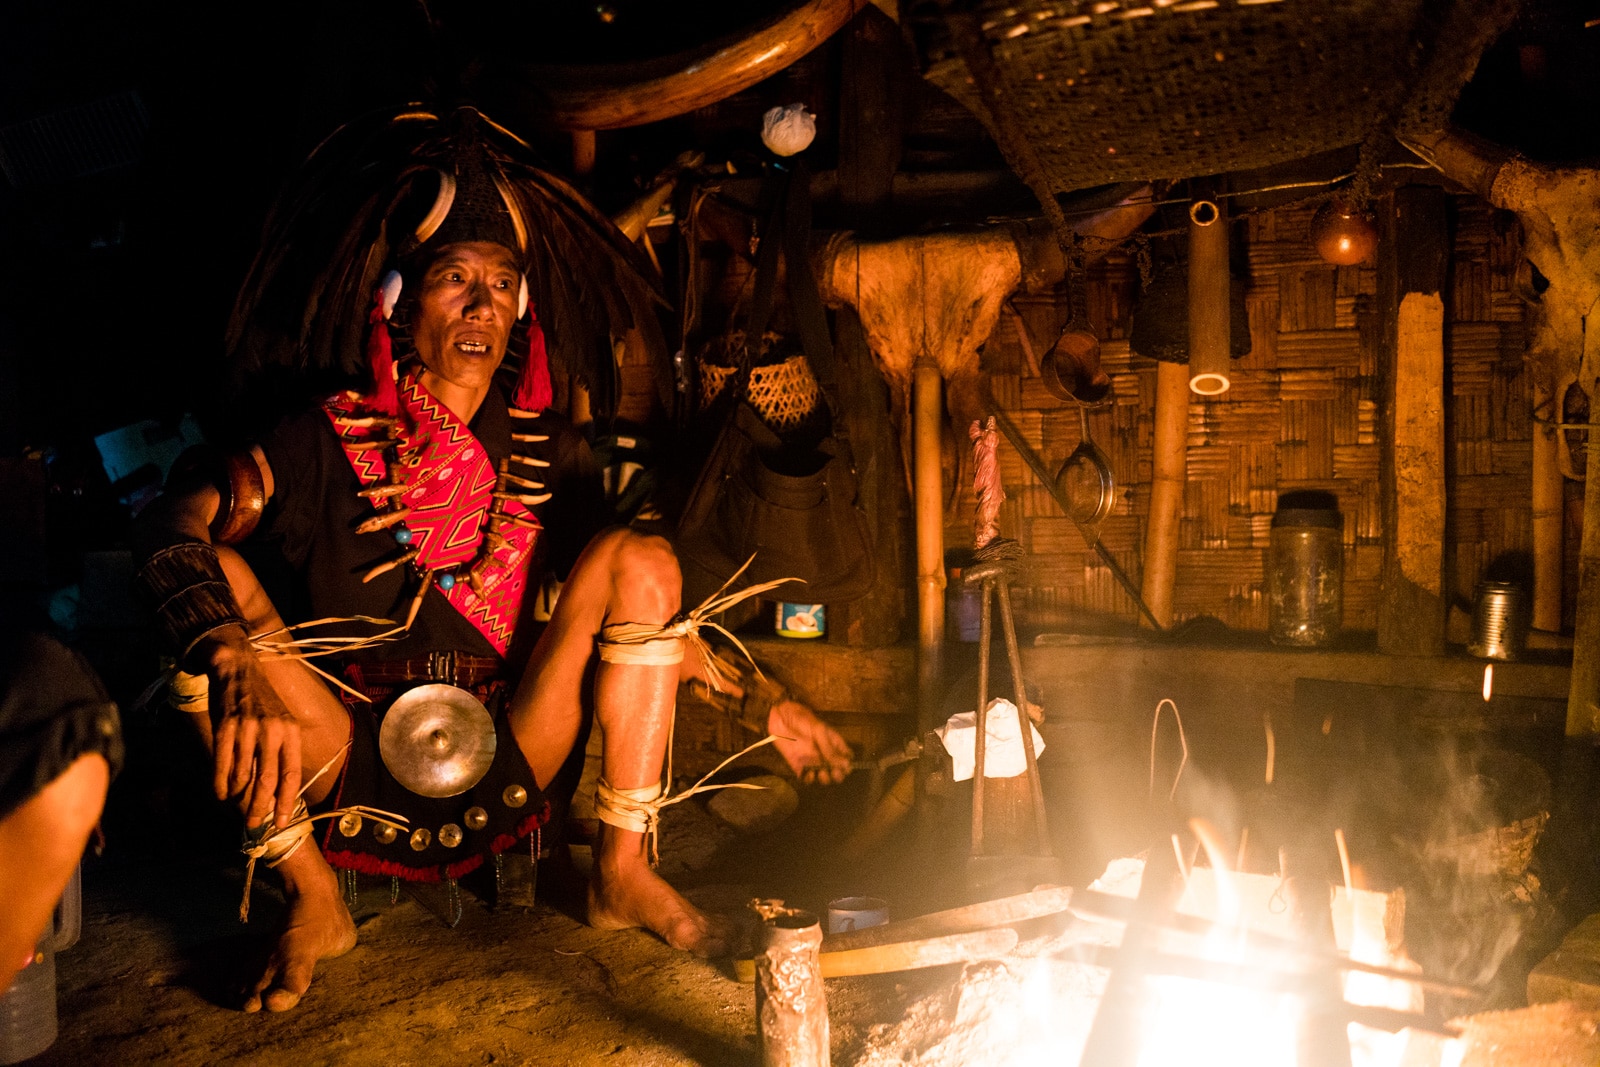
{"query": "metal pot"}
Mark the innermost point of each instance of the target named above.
(1071, 369)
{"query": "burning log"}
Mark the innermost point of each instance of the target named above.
(900, 955)
(1106, 907)
(1204, 984)
(1271, 980)
(991, 913)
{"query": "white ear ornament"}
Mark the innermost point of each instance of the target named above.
(392, 283)
(522, 298)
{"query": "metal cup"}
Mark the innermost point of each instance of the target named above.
(856, 913)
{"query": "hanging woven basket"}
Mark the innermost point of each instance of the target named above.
(784, 393)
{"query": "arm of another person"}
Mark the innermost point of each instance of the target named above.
(813, 750)
(255, 740)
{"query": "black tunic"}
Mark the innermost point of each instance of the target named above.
(311, 561)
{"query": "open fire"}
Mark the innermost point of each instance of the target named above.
(1224, 981)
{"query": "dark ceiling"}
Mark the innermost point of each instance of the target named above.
(120, 263)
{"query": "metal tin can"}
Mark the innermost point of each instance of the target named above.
(1499, 621)
(802, 620)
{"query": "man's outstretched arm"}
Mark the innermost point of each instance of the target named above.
(812, 749)
(255, 741)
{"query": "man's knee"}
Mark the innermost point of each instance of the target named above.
(645, 570)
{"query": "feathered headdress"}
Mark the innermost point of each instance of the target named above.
(373, 194)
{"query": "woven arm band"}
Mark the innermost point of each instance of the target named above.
(185, 586)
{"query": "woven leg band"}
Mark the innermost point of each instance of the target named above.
(266, 842)
(642, 644)
(190, 594)
(638, 810)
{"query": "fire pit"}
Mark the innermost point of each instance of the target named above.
(1224, 977)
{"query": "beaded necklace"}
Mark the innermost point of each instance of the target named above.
(402, 448)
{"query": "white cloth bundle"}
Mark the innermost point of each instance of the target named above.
(1003, 756)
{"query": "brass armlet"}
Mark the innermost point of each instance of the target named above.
(241, 490)
(244, 498)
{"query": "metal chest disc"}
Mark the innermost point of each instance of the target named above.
(437, 740)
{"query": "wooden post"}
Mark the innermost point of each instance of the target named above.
(1412, 266)
(583, 152)
(1573, 826)
(871, 121)
(1166, 490)
(1208, 298)
(1549, 505)
(927, 416)
(1583, 698)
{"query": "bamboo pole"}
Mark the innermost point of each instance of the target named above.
(927, 479)
(1166, 490)
(1208, 298)
(1548, 506)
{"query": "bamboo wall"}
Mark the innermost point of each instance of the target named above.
(1301, 414)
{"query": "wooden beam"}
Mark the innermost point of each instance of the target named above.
(614, 96)
(872, 115)
(1412, 267)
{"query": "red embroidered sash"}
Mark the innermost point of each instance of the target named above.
(449, 485)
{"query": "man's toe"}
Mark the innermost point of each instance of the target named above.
(281, 999)
(289, 988)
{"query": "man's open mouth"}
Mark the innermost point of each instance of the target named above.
(472, 348)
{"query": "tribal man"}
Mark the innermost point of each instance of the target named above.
(426, 498)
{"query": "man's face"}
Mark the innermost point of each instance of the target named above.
(465, 311)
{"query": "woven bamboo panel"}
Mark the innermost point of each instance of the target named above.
(1487, 416)
(1319, 349)
(1511, 457)
(1467, 524)
(1302, 414)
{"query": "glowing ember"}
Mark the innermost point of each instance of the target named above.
(1488, 681)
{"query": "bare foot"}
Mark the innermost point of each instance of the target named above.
(318, 927)
(624, 893)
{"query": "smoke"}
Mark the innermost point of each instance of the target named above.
(1477, 892)
(1451, 822)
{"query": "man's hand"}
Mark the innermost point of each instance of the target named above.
(813, 749)
(256, 745)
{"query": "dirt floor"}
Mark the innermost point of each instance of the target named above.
(153, 978)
